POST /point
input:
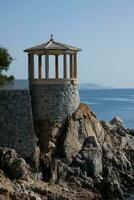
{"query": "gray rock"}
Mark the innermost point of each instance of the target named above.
(12, 165)
(117, 121)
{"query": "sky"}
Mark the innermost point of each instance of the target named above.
(103, 29)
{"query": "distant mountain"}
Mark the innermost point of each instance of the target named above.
(93, 86)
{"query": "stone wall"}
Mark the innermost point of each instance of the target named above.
(16, 123)
(54, 102)
(49, 102)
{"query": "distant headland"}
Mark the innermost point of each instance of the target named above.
(93, 86)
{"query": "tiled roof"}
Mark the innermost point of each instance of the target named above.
(52, 45)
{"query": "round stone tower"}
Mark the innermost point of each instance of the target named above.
(53, 98)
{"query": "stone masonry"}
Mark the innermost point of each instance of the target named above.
(19, 109)
(54, 102)
(16, 122)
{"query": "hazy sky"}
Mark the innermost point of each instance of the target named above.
(103, 29)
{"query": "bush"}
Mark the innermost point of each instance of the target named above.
(5, 61)
(4, 79)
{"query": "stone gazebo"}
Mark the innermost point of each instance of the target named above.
(52, 48)
(53, 97)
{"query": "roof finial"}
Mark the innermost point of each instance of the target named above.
(51, 37)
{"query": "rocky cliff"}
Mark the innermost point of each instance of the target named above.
(81, 159)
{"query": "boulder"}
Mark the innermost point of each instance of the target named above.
(80, 126)
(13, 166)
(117, 121)
(89, 159)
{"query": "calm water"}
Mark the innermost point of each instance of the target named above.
(111, 102)
(105, 103)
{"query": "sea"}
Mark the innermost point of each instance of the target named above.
(108, 103)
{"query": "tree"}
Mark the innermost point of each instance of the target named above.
(5, 59)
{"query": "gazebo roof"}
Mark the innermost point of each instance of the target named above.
(52, 47)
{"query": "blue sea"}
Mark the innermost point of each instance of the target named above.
(107, 103)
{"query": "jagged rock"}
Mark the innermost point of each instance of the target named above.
(98, 150)
(39, 190)
(131, 131)
(81, 125)
(12, 165)
(90, 161)
(47, 132)
(5, 186)
(82, 158)
(117, 121)
(110, 189)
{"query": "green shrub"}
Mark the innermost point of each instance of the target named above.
(4, 79)
(5, 61)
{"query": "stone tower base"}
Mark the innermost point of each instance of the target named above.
(54, 101)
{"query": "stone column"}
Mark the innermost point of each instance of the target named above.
(56, 67)
(47, 66)
(75, 65)
(30, 66)
(39, 66)
(71, 64)
(65, 66)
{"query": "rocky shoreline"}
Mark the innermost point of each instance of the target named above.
(83, 158)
